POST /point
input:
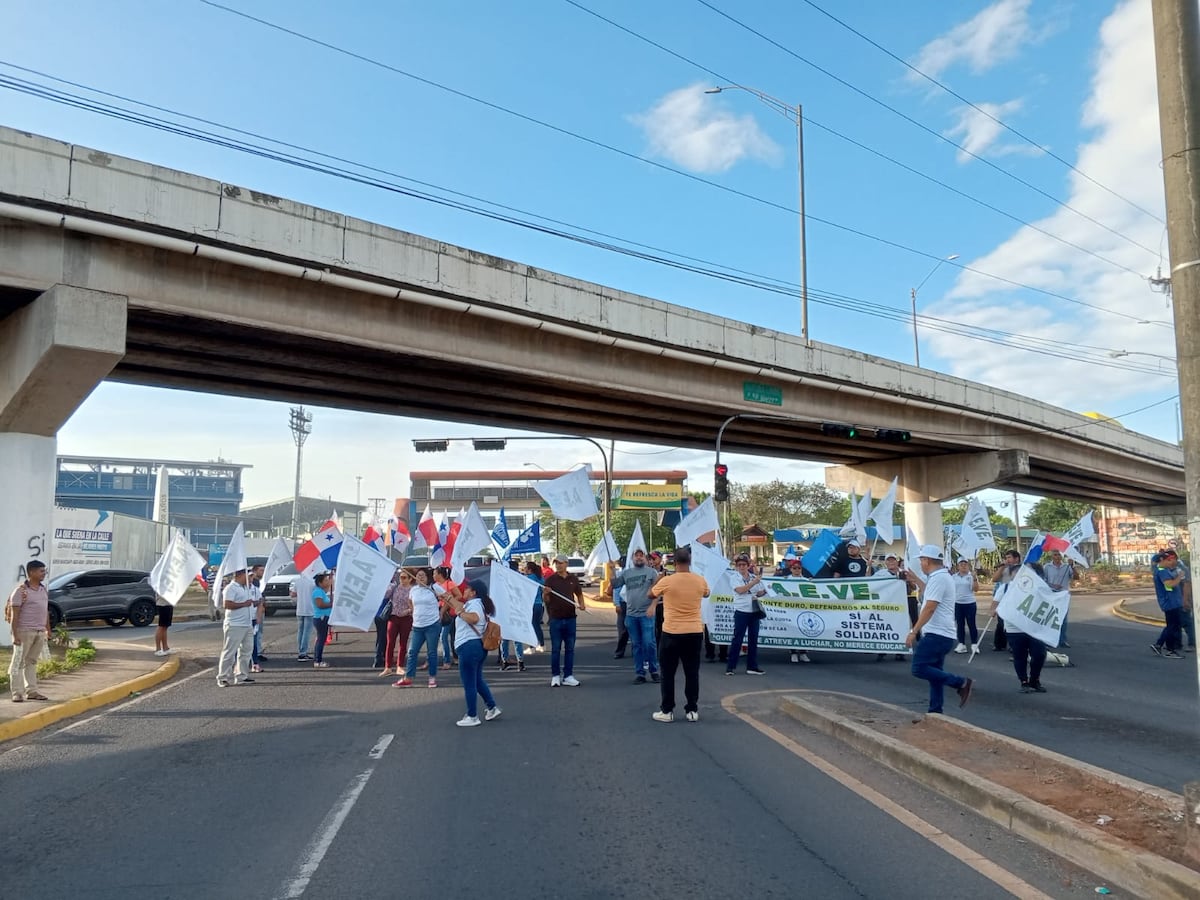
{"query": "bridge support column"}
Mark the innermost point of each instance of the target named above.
(53, 354)
(927, 481)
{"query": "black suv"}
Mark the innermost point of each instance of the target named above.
(114, 595)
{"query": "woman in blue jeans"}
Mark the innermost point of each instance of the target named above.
(472, 616)
(425, 628)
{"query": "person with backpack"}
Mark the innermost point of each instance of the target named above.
(472, 613)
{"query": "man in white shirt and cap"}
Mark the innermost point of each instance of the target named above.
(936, 626)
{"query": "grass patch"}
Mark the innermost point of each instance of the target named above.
(66, 658)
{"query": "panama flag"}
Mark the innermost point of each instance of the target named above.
(321, 553)
(401, 537)
(1042, 544)
(372, 538)
(427, 531)
(437, 553)
(452, 535)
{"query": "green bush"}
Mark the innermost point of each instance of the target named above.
(1105, 573)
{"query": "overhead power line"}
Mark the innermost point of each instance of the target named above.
(809, 120)
(662, 166)
(907, 118)
(511, 215)
(1009, 128)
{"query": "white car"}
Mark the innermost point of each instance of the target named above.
(577, 566)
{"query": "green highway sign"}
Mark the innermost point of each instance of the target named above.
(756, 392)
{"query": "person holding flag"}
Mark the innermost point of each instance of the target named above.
(563, 597)
(237, 632)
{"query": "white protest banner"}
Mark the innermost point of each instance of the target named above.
(1033, 607)
(570, 496)
(514, 595)
(700, 521)
(176, 568)
(234, 560)
(884, 512)
(473, 536)
(637, 541)
(362, 577)
(709, 564)
(1081, 530)
(860, 514)
(281, 555)
(846, 615)
(605, 551)
(976, 531)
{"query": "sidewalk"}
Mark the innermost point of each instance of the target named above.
(1143, 610)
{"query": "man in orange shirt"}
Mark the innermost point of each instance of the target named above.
(682, 635)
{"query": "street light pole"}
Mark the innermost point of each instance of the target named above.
(300, 422)
(916, 342)
(796, 114)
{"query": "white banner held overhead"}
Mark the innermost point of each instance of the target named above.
(700, 521)
(1081, 530)
(514, 596)
(234, 560)
(605, 551)
(976, 531)
(884, 512)
(473, 536)
(570, 496)
(1033, 607)
(637, 541)
(361, 579)
(281, 555)
(176, 568)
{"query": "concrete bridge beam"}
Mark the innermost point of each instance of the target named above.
(53, 353)
(928, 481)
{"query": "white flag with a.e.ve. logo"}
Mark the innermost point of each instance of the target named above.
(1033, 607)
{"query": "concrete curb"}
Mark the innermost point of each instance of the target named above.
(1121, 612)
(1131, 868)
(51, 714)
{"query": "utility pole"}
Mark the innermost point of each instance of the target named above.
(300, 423)
(1177, 53)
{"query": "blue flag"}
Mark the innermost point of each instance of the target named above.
(500, 532)
(528, 541)
(822, 548)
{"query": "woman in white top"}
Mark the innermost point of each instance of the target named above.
(965, 608)
(472, 616)
(426, 626)
(747, 588)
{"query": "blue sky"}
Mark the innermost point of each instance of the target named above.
(1075, 77)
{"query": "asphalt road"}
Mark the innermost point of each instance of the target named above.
(332, 783)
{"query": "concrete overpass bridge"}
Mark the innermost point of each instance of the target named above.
(114, 268)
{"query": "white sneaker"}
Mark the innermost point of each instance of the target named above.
(692, 716)
(467, 721)
(661, 716)
(493, 713)
(803, 657)
(795, 657)
(160, 652)
(555, 681)
(571, 681)
(961, 648)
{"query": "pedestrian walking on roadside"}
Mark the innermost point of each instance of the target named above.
(399, 624)
(303, 587)
(966, 610)
(426, 627)
(563, 597)
(28, 613)
(936, 624)
(747, 590)
(237, 632)
(471, 616)
(322, 606)
(682, 635)
(1169, 591)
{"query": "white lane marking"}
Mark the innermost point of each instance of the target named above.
(314, 853)
(987, 868)
(378, 750)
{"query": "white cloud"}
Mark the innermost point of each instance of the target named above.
(978, 128)
(1123, 153)
(993, 36)
(697, 132)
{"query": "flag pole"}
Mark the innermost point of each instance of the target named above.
(569, 600)
(975, 647)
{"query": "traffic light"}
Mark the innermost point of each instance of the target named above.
(720, 482)
(892, 436)
(431, 446)
(841, 431)
(489, 444)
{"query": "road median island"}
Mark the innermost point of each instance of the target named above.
(1043, 796)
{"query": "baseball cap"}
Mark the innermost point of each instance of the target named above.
(929, 551)
(853, 544)
(654, 554)
(742, 557)
(891, 556)
(560, 558)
